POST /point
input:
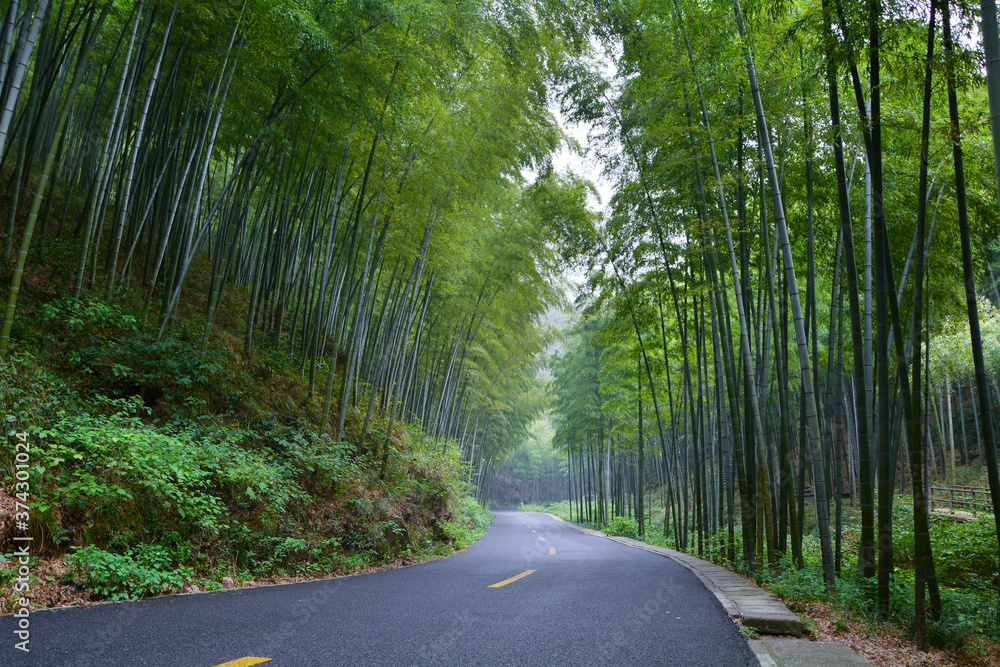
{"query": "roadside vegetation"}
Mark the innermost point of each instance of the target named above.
(152, 473)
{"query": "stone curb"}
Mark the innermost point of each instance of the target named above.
(785, 652)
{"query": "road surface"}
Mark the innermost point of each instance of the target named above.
(533, 591)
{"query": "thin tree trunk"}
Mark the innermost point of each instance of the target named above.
(89, 39)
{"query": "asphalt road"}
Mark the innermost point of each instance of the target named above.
(586, 601)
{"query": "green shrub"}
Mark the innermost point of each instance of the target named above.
(316, 457)
(962, 549)
(353, 563)
(117, 476)
(656, 538)
(78, 319)
(791, 583)
(470, 523)
(142, 360)
(145, 570)
(475, 514)
(30, 394)
(297, 555)
(623, 527)
(120, 476)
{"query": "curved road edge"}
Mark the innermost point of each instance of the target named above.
(752, 607)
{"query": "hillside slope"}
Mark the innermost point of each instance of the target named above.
(151, 472)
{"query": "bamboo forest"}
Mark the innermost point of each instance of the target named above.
(303, 286)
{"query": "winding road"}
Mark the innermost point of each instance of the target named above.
(533, 591)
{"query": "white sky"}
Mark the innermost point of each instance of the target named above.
(566, 160)
(588, 167)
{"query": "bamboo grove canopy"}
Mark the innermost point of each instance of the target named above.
(374, 177)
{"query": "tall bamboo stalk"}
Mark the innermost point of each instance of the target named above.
(816, 449)
(88, 41)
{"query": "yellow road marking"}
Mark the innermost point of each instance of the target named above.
(243, 662)
(541, 538)
(534, 531)
(552, 551)
(504, 582)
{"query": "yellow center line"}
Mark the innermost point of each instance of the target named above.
(243, 662)
(552, 551)
(534, 531)
(541, 538)
(504, 582)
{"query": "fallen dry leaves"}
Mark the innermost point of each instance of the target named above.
(889, 646)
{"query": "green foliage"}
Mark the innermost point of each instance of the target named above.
(471, 522)
(968, 597)
(116, 477)
(30, 394)
(107, 478)
(791, 583)
(140, 360)
(353, 563)
(561, 204)
(82, 318)
(145, 570)
(951, 350)
(656, 537)
(623, 527)
(478, 515)
(120, 476)
(965, 552)
(966, 613)
(296, 555)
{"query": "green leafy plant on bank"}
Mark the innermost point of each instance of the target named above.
(265, 498)
(143, 571)
(623, 527)
(473, 520)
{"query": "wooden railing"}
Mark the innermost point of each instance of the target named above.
(970, 498)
